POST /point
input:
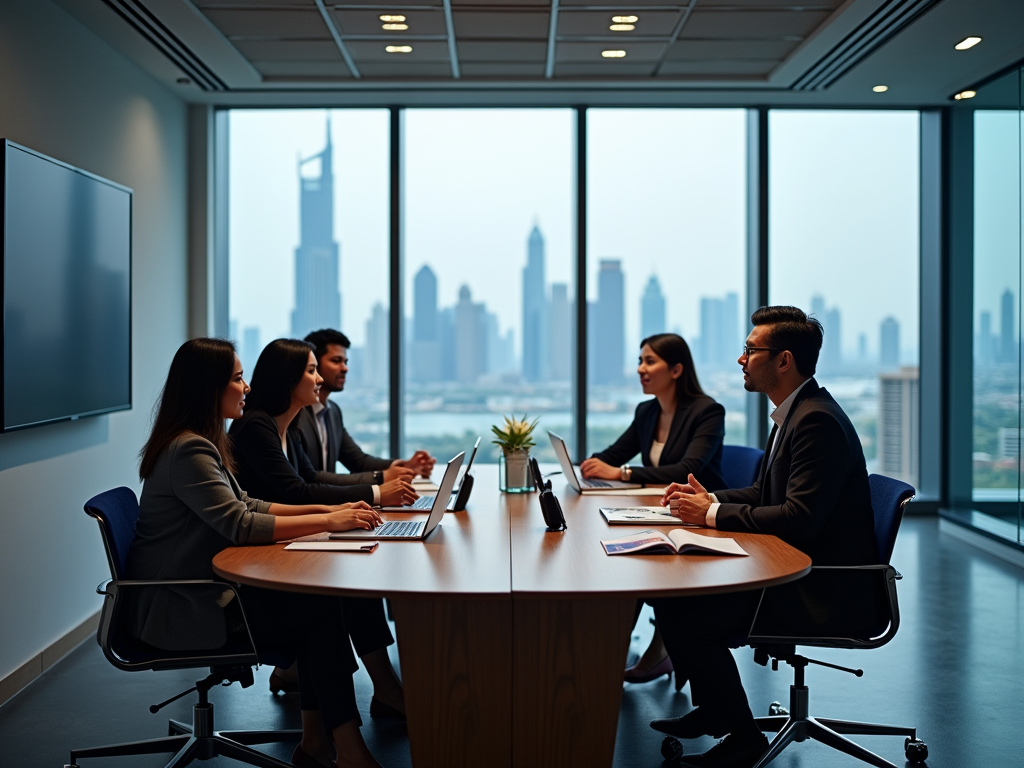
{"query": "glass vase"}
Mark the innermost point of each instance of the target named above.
(514, 472)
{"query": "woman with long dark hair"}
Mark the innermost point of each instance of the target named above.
(678, 432)
(273, 465)
(192, 507)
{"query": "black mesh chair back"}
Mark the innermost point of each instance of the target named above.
(889, 497)
(740, 465)
(116, 511)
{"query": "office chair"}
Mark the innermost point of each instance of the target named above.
(116, 512)
(889, 498)
(740, 465)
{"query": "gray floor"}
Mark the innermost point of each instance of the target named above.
(955, 670)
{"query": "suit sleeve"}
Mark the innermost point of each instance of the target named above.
(623, 449)
(819, 459)
(707, 436)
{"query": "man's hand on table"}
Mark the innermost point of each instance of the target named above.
(689, 502)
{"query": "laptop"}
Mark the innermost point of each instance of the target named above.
(425, 503)
(576, 480)
(409, 530)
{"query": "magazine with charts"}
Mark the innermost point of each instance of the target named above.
(677, 541)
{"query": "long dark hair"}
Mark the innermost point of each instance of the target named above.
(673, 349)
(190, 401)
(280, 367)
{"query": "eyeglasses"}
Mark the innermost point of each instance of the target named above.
(747, 350)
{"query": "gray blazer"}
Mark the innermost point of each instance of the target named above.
(191, 508)
(340, 447)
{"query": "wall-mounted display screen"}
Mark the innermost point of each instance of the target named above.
(66, 291)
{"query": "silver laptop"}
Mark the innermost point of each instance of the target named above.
(576, 480)
(409, 529)
(423, 503)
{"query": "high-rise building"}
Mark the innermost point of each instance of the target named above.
(862, 347)
(560, 339)
(425, 349)
(1007, 340)
(652, 309)
(719, 330)
(608, 320)
(889, 344)
(983, 346)
(470, 338)
(899, 432)
(446, 332)
(375, 358)
(317, 295)
(1008, 443)
(535, 327)
(830, 358)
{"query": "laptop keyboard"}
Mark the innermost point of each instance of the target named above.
(423, 502)
(394, 528)
(597, 484)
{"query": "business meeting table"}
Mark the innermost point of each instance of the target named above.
(513, 640)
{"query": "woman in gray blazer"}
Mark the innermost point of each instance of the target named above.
(191, 508)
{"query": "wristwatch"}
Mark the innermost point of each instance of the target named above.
(625, 473)
(378, 477)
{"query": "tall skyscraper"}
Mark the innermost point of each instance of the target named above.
(317, 296)
(375, 359)
(470, 338)
(535, 329)
(1007, 340)
(608, 319)
(560, 340)
(899, 430)
(889, 344)
(426, 342)
(719, 330)
(831, 357)
(446, 323)
(983, 346)
(652, 309)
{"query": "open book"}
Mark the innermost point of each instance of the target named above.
(677, 541)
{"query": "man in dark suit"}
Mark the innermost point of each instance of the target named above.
(812, 493)
(322, 429)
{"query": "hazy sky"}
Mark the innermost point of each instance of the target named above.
(666, 195)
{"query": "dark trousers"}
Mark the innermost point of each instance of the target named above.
(367, 624)
(698, 634)
(313, 629)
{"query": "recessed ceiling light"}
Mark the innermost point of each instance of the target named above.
(967, 42)
(395, 27)
(392, 17)
(622, 27)
(880, 88)
(625, 19)
(965, 95)
(398, 48)
(613, 54)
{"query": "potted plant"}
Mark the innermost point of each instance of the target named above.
(515, 439)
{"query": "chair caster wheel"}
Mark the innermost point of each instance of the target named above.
(915, 750)
(671, 749)
(775, 709)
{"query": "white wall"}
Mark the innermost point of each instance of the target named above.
(68, 94)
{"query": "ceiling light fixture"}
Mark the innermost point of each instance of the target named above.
(622, 27)
(395, 27)
(625, 19)
(965, 95)
(392, 17)
(614, 54)
(398, 48)
(967, 42)
(880, 88)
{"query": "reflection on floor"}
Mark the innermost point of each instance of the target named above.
(955, 670)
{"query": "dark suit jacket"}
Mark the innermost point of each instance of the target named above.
(340, 447)
(266, 473)
(813, 494)
(694, 444)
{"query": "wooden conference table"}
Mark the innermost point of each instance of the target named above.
(512, 640)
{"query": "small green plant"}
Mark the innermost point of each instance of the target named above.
(517, 434)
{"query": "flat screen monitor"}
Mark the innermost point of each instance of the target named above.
(66, 291)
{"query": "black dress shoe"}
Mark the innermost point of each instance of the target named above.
(692, 725)
(737, 750)
(379, 709)
(279, 684)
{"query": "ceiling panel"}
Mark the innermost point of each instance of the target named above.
(268, 23)
(406, 69)
(584, 52)
(366, 22)
(502, 69)
(718, 68)
(507, 50)
(762, 25)
(731, 49)
(303, 70)
(811, 5)
(373, 50)
(253, 4)
(476, 24)
(603, 71)
(660, 23)
(288, 50)
(518, 4)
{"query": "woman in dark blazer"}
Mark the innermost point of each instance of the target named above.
(191, 508)
(678, 432)
(272, 465)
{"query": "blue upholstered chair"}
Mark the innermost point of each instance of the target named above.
(740, 465)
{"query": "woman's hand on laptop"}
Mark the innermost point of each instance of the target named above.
(346, 517)
(595, 468)
(397, 493)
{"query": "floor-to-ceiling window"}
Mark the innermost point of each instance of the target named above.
(666, 246)
(488, 260)
(308, 226)
(844, 246)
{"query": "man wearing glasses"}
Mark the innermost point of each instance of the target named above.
(812, 493)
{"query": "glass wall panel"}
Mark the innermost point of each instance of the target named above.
(488, 266)
(844, 246)
(666, 243)
(308, 244)
(997, 305)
